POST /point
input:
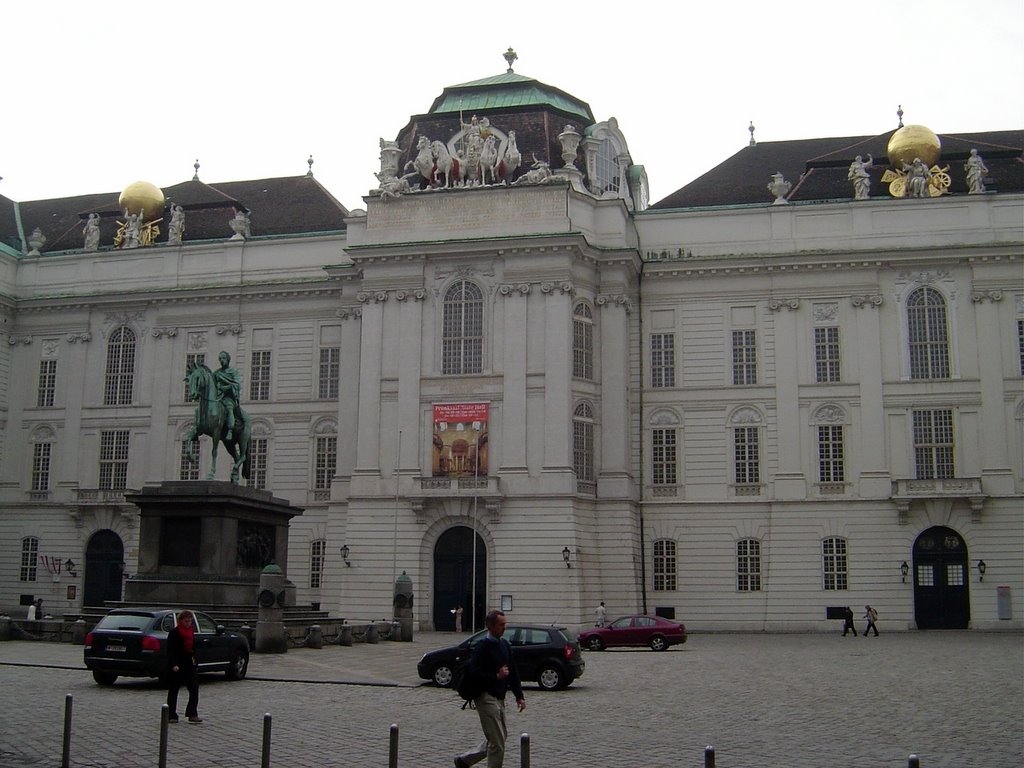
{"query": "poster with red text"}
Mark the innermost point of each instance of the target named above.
(460, 440)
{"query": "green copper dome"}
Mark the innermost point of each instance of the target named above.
(508, 90)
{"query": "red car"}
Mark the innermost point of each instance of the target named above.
(652, 631)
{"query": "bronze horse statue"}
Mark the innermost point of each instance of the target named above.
(211, 420)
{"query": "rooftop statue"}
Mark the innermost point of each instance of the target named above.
(91, 232)
(779, 187)
(975, 169)
(176, 229)
(858, 174)
(919, 178)
(240, 226)
(219, 416)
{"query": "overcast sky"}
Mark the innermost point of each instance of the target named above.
(102, 94)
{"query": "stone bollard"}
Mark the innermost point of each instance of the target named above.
(372, 636)
(403, 599)
(396, 630)
(315, 637)
(5, 627)
(345, 635)
(78, 632)
(246, 631)
(270, 632)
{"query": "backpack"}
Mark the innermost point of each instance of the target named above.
(466, 684)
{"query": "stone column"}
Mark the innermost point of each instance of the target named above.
(557, 374)
(614, 411)
(997, 479)
(875, 479)
(513, 409)
(370, 359)
(790, 482)
(410, 344)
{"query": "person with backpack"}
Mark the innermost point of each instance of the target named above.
(492, 669)
(872, 616)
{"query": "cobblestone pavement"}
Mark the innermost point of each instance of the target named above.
(956, 699)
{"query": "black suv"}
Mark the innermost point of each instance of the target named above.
(543, 654)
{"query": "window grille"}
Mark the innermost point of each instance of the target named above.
(258, 462)
(317, 551)
(583, 342)
(664, 565)
(933, 444)
(663, 456)
(663, 360)
(326, 462)
(29, 558)
(120, 375)
(114, 460)
(748, 565)
(926, 327)
(462, 329)
(41, 466)
(259, 375)
(744, 357)
(583, 442)
(747, 461)
(834, 564)
(47, 383)
(330, 371)
(826, 354)
(831, 462)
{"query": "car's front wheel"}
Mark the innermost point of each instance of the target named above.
(551, 678)
(103, 678)
(657, 643)
(239, 666)
(595, 644)
(442, 675)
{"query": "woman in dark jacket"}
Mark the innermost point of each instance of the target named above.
(182, 668)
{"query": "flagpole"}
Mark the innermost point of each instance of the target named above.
(476, 492)
(394, 535)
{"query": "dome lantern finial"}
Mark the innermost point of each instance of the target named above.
(510, 56)
(753, 142)
(195, 176)
(309, 173)
(899, 114)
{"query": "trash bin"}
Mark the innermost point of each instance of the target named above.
(1004, 611)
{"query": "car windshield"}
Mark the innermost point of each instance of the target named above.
(125, 622)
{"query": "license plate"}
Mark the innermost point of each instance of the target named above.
(116, 649)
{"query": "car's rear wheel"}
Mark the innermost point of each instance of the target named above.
(595, 644)
(657, 643)
(239, 666)
(551, 678)
(442, 675)
(103, 678)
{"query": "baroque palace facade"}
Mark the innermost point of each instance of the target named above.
(513, 379)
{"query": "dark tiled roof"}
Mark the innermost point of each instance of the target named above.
(817, 168)
(282, 206)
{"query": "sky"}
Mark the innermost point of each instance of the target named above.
(106, 93)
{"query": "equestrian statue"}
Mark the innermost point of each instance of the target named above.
(219, 416)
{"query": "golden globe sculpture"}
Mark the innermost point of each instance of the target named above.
(912, 141)
(141, 196)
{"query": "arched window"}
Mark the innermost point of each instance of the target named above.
(462, 331)
(583, 443)
(748, 565)
(325, 457)
(927, 334)
(120, 367)
(29, 558)
(664, 565)
(317, 550)
(833, 563)
(583, 342)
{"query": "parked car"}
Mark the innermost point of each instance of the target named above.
(132, 642)
(653, 631)
(543, 654)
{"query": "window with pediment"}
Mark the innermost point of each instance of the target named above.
(928, 334)
(120, 372)
(462, 329)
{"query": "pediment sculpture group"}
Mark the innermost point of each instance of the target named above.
(479, 154)
(134, 232)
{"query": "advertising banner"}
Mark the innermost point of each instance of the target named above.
(460, 440)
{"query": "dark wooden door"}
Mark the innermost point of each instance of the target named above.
(453, 579)
(104, 567)
(941, 589)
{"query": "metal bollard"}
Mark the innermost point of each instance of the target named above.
(265, 760)
(524, 750)
(165, 713)
(709, 757)
(393, 746)
(65, 761)
(913, 762)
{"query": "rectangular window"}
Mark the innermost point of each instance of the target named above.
(663, 456)
(954, 575)
(583, 347)
(831, 464)
(41, 466)
(826, 354)
(47, 383)
(317, 550)
(330, 370)
(326, 462)
(258, 462)
(833, 563)
(259, 375)
(187, 469)
(114, 460)
(664, 565)
(29, 558)
(663, 359)
(192, 359)
(933, 444)
(1020, 344)
(747, 455)
(748, 565)
(744, 357)
(583, 449)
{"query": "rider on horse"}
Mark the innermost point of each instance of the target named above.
(229, 389)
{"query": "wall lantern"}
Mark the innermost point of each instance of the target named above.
(904, 570)
(566, 554)
(344, 554)
(981, 570)
(69, 566)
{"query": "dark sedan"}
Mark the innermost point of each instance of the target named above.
(653, 631)
(132, 642)
(544, 655)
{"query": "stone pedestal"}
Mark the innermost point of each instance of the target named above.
(270, 634)
(206, 542)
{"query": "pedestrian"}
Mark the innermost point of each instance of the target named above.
(458, 618)
(848, 622)
(601, 614)
(872, 616)
(182, 668)
(493, 667)
(31, 614)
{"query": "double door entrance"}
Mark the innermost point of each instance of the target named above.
(454, 585)
(941, 589)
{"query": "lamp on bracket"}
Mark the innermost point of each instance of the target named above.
(344, 554)
(566, 554)
(904, 570)
(981, 570)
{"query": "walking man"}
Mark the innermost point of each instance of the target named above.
(494, 669)
(601, 615)
(848, 622)
(872, 616)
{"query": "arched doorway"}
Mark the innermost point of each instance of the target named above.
(941, 594)
(453, 579)
(104, 566)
